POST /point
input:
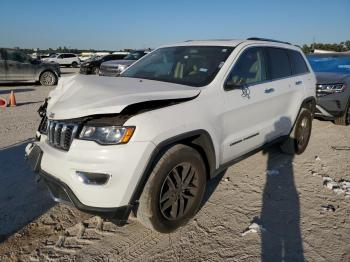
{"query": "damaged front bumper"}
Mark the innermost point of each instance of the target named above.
(62, 193)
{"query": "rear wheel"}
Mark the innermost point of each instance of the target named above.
(174, 190)
(345, 118)
(299, 138)
(48, 78)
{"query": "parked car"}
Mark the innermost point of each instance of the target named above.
(92, 66)
(16, 66)
(64, 59)
(115, 67)
(148, 141)
(333, 86)
(85, 56)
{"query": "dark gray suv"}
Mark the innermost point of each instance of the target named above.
(333, 86)
(16, 66)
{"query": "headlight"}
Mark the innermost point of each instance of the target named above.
(330, 88)
(107, 135)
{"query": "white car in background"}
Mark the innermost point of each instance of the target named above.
(64, 59)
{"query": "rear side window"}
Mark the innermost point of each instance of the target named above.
(279, 65)
(297, 62)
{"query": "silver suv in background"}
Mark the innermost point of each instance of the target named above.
(16, 66)
(115, 67)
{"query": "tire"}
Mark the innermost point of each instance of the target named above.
(74, 64)
(163, 198)
(95, 70)
(299, 138)
(344, 120)
(48, 78)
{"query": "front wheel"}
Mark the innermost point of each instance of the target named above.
(299, 138)
(74, 64)
(48, 78)
(174, 190)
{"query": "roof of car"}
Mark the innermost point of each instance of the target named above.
(231, 42)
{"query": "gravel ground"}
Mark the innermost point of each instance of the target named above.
(292, 215)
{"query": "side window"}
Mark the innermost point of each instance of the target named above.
(279, 65)
(1, 55)
(298, 63)
(14, 55)
(249, 69)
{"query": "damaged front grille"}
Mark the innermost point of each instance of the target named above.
(61, 134)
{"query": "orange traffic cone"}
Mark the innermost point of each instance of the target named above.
(12, 99)
(3, 102)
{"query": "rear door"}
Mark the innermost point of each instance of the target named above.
(19, 66)
(280, 92)
(301, 79)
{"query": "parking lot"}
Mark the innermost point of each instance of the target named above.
(310, 220)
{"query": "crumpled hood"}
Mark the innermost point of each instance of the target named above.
(330, 78)
(84, 95)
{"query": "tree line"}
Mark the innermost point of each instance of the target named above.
(340, 47)
(337, 47)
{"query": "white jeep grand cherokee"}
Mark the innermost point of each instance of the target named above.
(147, 142)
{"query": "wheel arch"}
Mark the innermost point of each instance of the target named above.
(200, 140)
(309, 102)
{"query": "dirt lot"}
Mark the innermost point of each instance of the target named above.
(282, 195)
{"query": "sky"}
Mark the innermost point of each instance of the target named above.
(115, 25)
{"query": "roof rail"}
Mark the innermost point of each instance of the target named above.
(267, 40)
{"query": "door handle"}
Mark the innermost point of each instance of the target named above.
(269, 90)
(298, 82)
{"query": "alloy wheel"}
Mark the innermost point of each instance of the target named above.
(303, 132)
(48, 79)
(178, 191)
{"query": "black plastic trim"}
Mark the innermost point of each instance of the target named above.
(192, 138)
(226, 165)
(120, 214)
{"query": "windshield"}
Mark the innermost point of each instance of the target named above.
(188, 65)
(135, 55)
(53, 55)
(334, 64)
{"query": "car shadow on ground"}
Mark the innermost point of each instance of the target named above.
(28, 103)
(6, 90)
(22, 199)
(15, 84)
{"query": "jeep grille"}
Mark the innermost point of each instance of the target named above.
(61, 134)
